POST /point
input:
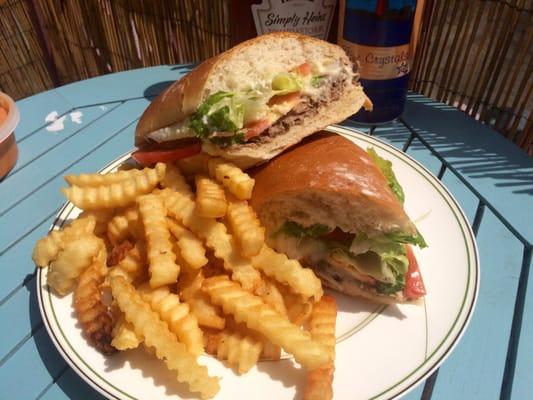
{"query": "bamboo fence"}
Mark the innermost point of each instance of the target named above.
(475, 55)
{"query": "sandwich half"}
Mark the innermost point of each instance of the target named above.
(251, 102)
(339, 209)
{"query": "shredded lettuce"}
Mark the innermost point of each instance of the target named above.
(294, 229)
(386, 167)
(390, 288)
(399, 237)
(220, 112)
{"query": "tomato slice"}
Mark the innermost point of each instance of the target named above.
(304, 69)
(414, 285)
(150, 157)
(256, 128)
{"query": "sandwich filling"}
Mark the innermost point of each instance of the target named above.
(380, 263)
(264, 110)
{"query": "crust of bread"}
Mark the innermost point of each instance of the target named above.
(328, 180)
(182, 98)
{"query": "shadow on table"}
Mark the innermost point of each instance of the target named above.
(474, 149)
(73, 387)
(153, 90)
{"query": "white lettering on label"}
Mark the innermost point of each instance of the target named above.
(309, 17)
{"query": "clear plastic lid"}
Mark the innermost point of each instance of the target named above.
(13, 117)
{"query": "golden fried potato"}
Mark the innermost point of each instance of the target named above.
(270, 293)
(93, 180)
(322, 327)
(175, 181)
(101, 217)
(302, 281)
(177, 315)
(71, 262)
(210, 198)
(47, 248)
(190, 284)
(162, 260)
(270, 351)
(119, 194)
(191, 248)
(93, 315)
(241, 351)
(246, 228)
(196, 164)
(124, 336)
(231, 177)
(133, 267)
(206, 313)
(216, 238)
(126, 225)
(298, 310)
(147, 323)
(250, 309)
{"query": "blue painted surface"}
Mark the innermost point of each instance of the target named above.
(30, 199)
(501, 174)
(475, 369)
(523, 384)
(71, 386)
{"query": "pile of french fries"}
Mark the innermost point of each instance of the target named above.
(153, 263)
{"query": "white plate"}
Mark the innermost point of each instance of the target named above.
(382, 352)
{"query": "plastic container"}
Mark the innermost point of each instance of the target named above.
(8, 146)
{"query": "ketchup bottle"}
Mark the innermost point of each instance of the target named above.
(250, 18)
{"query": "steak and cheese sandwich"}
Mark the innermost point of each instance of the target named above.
(251, 102)
(338, 209)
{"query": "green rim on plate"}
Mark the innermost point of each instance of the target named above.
(417, 374)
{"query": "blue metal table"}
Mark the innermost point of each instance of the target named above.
(92, 122)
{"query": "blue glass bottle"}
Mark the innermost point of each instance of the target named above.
(377, 34)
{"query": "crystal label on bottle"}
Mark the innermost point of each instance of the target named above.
(378, 63)
(309, 17)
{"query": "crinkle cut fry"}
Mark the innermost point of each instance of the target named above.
(322, 328)
(132, 267)
(91, 180)
(191, 247)
(91, 312)
(216, 237)
(175, 181)
(124, 336)
(241, 351)
(210, 198)
(47, 248)
(302, 281)
(147, 323)
(231, 177)
(162, 261)
(177, 315)
(246, 227)
(125, 225)
(71, 262)
(261, 317)
(119, 194)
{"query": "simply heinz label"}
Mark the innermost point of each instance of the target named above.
(309, 17)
